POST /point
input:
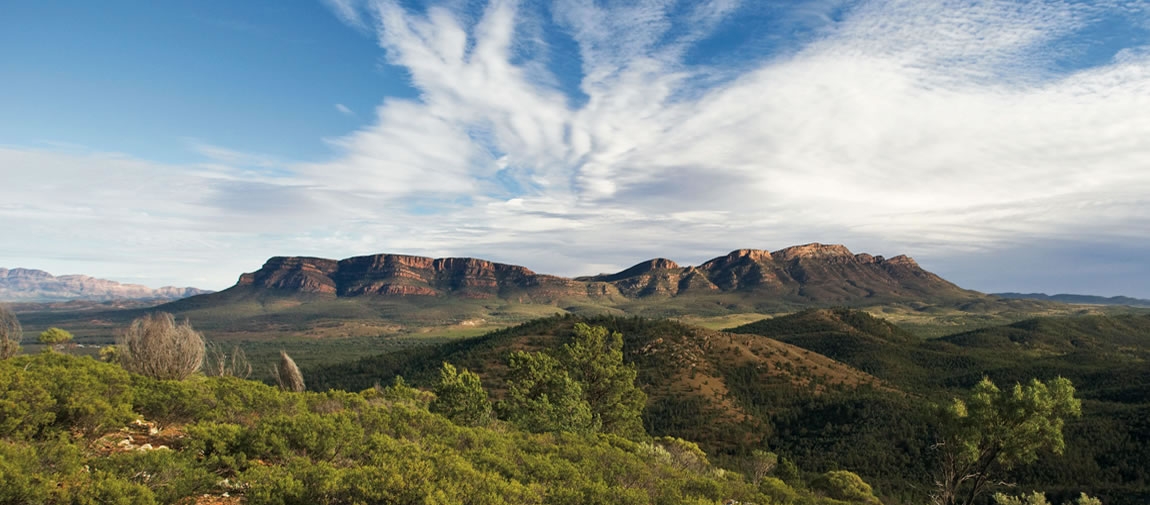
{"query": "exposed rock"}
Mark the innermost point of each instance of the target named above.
(807, 273)
(27, 285)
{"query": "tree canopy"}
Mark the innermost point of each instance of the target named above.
(459, 396)
(994, 430)
(594, 358)
(55, 337)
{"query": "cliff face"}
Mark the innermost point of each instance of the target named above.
(812, 272)
(27, 285)
(393, 274)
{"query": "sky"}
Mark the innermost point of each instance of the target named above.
(1003, 144)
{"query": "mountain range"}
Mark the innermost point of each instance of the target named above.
(28, 285)
(803, 274)
(1079, 299)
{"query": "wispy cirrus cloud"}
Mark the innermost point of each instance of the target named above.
(941, 129)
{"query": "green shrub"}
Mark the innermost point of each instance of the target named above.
(167, 474)
(459, 396)
(320, 437)
(779, 492)
(88, 397)
(26, 407)
(221, 447)
(845, 486)
(171, 401)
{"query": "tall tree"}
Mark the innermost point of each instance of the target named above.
(542, 396)
(995, 430)
(459, 396)
(594, 358)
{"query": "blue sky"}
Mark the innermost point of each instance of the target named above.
(1001, 143)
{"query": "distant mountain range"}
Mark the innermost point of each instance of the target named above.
(1079, 299)
(812, 273)
(27, 285)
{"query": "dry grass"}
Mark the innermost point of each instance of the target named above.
(287, 374)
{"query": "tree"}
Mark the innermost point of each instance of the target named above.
(459, 396)
(155, 346)
(760, 464)
(845, 486)
(542, 396)
(10, 333)
(287, 374)
(594, 358)
(995, 430)
(56, 338)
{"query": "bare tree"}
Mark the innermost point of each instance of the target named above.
(157, 347)
(287, 374)
(221, 364)
(10, 333)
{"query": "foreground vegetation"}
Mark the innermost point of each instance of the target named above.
(562, 411)
(67, 436)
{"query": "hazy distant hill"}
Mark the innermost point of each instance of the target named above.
(1082, 299)
(27, 285)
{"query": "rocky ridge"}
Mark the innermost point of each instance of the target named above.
(811, 272)
(28, 285)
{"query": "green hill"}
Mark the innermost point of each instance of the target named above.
(694, 377)
(1105, 357)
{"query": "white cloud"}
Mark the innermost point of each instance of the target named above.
(342, 109)
(934, 128)
(348, 11)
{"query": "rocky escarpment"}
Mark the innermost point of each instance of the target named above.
(28, 285)
(401, 275)
(812, 272)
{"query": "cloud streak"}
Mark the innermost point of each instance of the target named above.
(941, 129)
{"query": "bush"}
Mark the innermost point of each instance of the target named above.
(845, 486)
(155, 346)
(55, 338)
(167, 474)
(779, 491)
(87, 397)
(459, 396)
(26, 407)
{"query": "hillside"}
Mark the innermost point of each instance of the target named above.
(1104, 355)
(27, 285)
(224, 440)
(707, 385)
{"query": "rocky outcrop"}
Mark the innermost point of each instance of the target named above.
(28, 285)
(401, 275)
(808, 273)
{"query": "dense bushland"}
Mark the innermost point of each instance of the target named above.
(66, 437)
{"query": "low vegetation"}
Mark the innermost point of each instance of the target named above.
(559, 410)
(72, 433)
